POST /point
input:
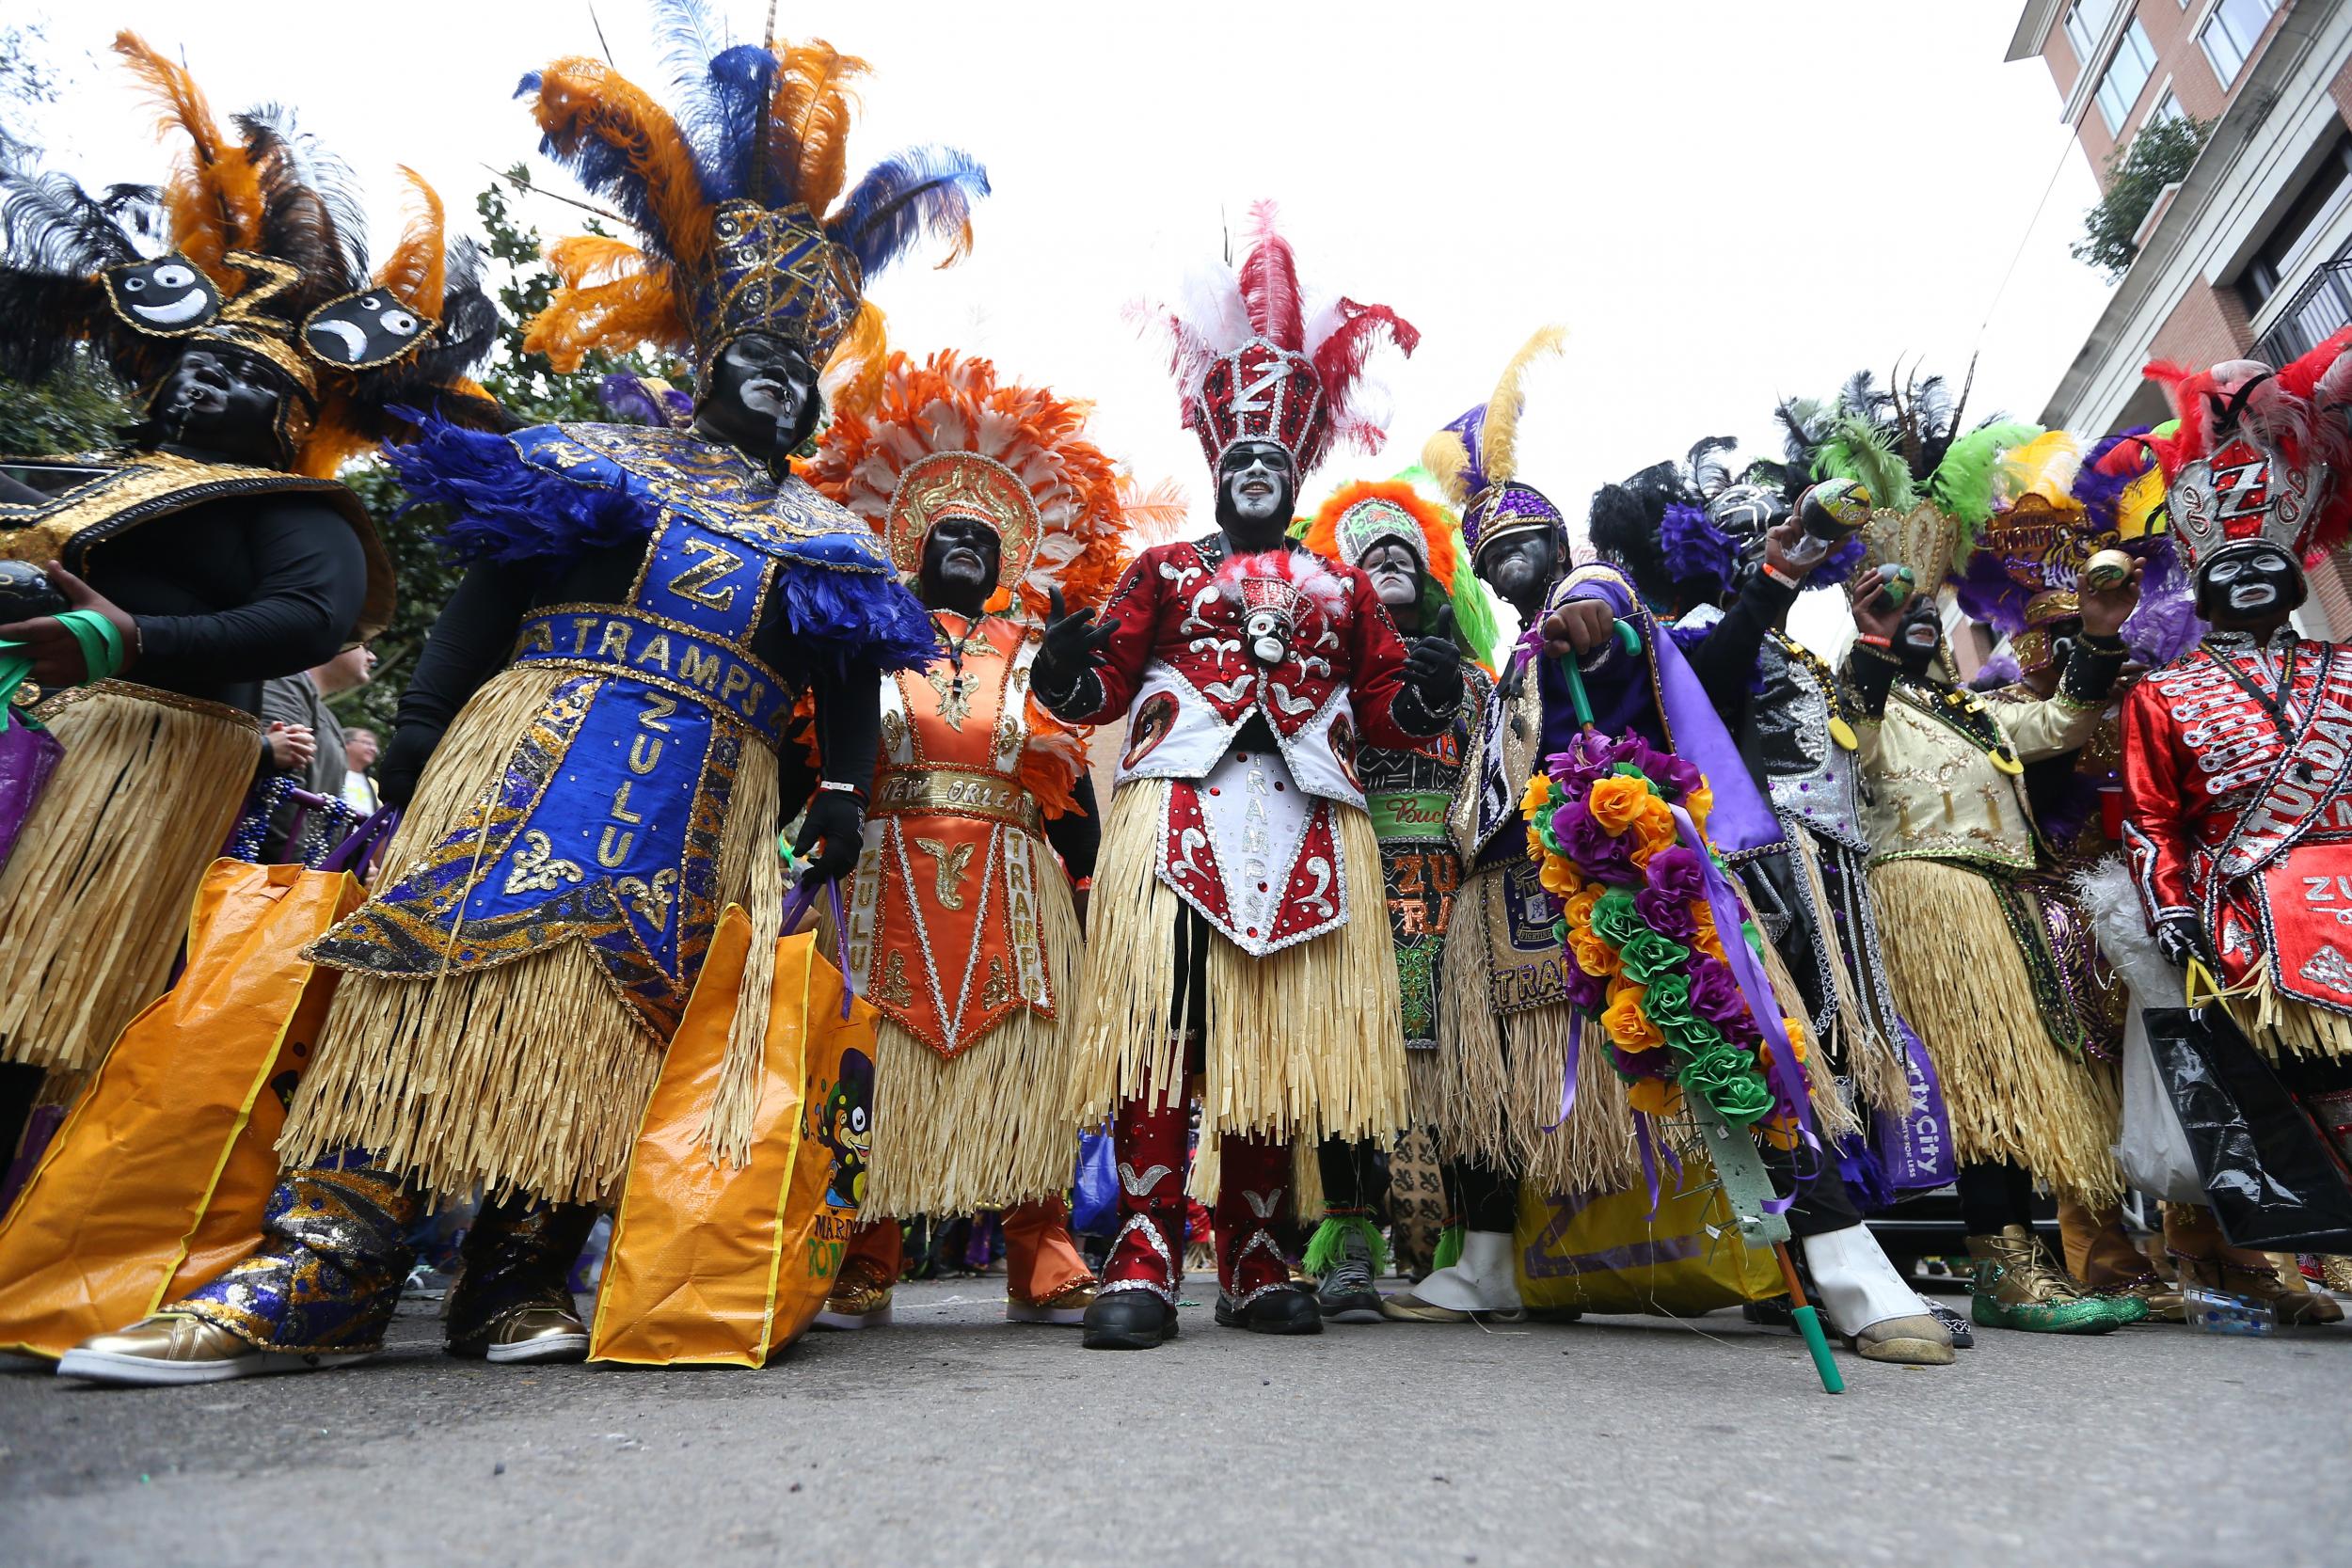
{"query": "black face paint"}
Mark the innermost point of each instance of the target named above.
(762, 397)
(1921, 630)
(1520, 567)
(962, 558)
(1257, 490)
(2250, 588)
(221, 403)
(1395, 573)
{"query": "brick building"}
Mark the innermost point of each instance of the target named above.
(2249, 255)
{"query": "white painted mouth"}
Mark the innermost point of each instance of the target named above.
(186, 310)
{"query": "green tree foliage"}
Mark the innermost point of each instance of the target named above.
(529, 389)
(83, 408)
(2137, 172)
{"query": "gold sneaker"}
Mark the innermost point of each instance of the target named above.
(533, 1334)
(860, 1299)
(172, 1348)
(2016, 1285)
(2162, 1299)
(2260, 1282)
(1066, 1306)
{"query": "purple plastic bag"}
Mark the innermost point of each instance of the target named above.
(1915, 1149)
(29, 754)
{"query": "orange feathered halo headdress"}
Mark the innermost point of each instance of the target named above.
(943, 437)
(737, 196)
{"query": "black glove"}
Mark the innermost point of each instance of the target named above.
(2181, 937)
(835, 820)
(1433, 667)
(1071, 650)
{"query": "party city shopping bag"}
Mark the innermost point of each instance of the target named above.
(1606, 1252)
(713, 1262)
(157, 1180)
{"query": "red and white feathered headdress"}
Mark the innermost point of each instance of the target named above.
(2259, 455)
(1256, 363)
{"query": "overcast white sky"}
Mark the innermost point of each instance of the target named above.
(1725, 203)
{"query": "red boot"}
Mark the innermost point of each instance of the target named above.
(1136, 1307)
(1254, 1278)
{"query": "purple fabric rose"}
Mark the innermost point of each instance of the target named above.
(1677, 777)
(1714, 993)
(1678, 872)
(1669, 914)
(1587, 758)
(1586, 993)
(1596, 851)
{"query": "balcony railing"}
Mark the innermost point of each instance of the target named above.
(2323, 305)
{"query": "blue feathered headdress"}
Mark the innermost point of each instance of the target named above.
(737, 195)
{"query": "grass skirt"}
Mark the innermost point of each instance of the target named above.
(1500, 1074)
(94, 901)
(2013, 1093)
(2281, 1026)
(1302, 1044)
(988, 1128)
(528, 1076)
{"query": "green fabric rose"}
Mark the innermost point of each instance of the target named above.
(1615, 921)
(1649, 956)
(1726, 1079)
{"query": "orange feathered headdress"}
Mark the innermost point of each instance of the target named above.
(943, 434)
(736, 192)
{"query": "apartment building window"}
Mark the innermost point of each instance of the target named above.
(2229, 35)
(2323, 301)
(2127, 73)
(2168, 107)
(2086, 24)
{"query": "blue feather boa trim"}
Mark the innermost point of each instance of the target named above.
(510, 512)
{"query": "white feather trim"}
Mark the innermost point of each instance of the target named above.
(2121, 923)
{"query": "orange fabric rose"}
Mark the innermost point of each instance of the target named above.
(1618, 801)
(1651, 1096)
(1593, 955)
(1698, 804)
(1532, 799)
(1578, 910)
(1627, 1025)
(1560, 876)
(1655, 825)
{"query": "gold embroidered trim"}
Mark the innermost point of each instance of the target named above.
(957, 792)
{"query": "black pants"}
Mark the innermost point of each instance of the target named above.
(1994, 1194)
(1355, 1174)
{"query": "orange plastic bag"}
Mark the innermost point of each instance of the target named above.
(1608, 1253)
(726, 1264)
(157, 1180)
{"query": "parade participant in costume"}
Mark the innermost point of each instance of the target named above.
(2234, 754)
(1412, 550)
(1504, 1018)
(1797, 737)
(1672, 553)
(587, 751)
(2031, 535)
(266, 354)
(1249, 672)
(963, 931)
(1952, 836)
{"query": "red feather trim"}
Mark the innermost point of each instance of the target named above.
(1269, 283)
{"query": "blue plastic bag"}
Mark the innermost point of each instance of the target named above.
(1094, 1187)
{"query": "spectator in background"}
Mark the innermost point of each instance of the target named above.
(299, 704)
(360, 747)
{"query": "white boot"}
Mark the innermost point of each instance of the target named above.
(1864, 1298)
(1482, 1283)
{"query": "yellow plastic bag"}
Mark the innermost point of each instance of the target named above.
(157, 1180)
(1606, 1253)
(718, 1263)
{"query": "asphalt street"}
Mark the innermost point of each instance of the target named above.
(952, 1437)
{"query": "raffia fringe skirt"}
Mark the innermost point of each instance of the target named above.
(990, 1128)
(2281, 1025)
(94, 902)
(2013, 1093)
(1302, 1044)
(529, 1076)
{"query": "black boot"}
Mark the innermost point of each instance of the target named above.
(1127, 1320)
